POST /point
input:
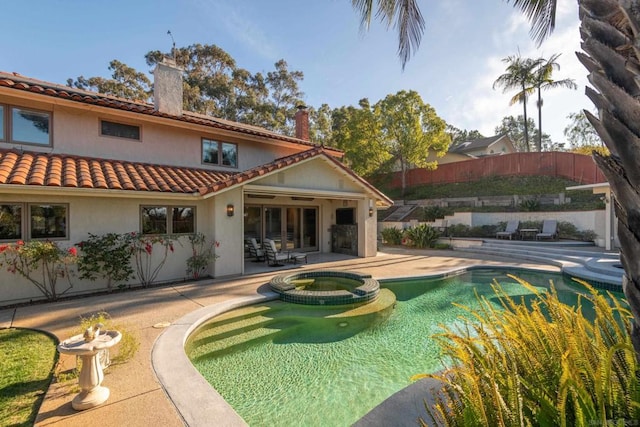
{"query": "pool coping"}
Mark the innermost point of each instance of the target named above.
(196, 401)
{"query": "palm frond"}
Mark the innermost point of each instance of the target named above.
(404, 15)
(541, 14)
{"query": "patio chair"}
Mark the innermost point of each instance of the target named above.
(255, 251)
(273, 256)
(549, 230)
(510, 230)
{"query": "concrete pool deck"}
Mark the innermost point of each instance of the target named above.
(137, 396)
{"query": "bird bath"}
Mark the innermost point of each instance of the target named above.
(88, 347)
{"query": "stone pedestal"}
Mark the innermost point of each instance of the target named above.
(92, 393)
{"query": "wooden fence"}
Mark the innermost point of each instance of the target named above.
(575, 167)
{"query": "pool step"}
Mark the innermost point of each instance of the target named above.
(238, 314)
(223, 345)
(217, 331)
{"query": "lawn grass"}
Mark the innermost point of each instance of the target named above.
(26, 368)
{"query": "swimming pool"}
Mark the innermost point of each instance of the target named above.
(308, 370)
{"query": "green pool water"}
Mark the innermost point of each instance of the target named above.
(307, 370)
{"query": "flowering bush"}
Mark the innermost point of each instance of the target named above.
(107, 256)
(201, 254)
(141, 248)
(28, 258)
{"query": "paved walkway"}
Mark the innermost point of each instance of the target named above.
(137, 398)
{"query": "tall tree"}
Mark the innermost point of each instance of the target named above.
(580, 132)
(611, 40)
(358, 132)
(543, 81)
(514, 127)
(411, 129)
(285, 96)
(125, 82)
(320, 125)
(459, 136)
(518, 75)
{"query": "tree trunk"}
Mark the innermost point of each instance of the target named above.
(539, 104)
(526, 127)
(608, 29)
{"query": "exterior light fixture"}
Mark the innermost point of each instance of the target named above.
(230, 210)
(370, 211)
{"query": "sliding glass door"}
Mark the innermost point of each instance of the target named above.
(291, 228)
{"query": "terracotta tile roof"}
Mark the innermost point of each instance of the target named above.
(61, 170)
(18, 82)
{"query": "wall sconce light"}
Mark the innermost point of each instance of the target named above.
(371, 211)
(230, 210)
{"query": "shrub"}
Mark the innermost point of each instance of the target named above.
(422, 236)
(392, 236)
(201, 254)
(107, 256)
(431, 213)
(541, 363)
(46, 258)
(141, 247)
(530, 205)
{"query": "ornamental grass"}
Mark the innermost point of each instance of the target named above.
(538, 363)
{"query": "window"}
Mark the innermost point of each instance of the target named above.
(25, 126)
(168, 219)
(48, 221)
(43, 221)
(119, 130)
(10, 221)
(219, 153)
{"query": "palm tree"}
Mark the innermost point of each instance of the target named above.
(520, 73)
(543, 81)
(611, 40)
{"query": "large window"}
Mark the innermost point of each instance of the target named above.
(25, 126)
(219, 153)
(43, 221)
(168, 219)
(119, 130)
(48, 221)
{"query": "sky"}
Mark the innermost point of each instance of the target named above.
(453, 70)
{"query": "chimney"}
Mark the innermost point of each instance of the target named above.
(302, 123)
(167, 87)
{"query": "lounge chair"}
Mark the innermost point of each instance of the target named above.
(255, 251)
(510, 231)
(273, 256)
(549, 230)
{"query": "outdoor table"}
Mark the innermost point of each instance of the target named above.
(530, 232)
(92, 393)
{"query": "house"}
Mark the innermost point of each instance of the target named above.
(74, 162)
(492, 146)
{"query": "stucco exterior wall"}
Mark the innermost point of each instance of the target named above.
(100, 216)
(77, 131)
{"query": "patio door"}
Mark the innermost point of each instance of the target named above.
(291, 228)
